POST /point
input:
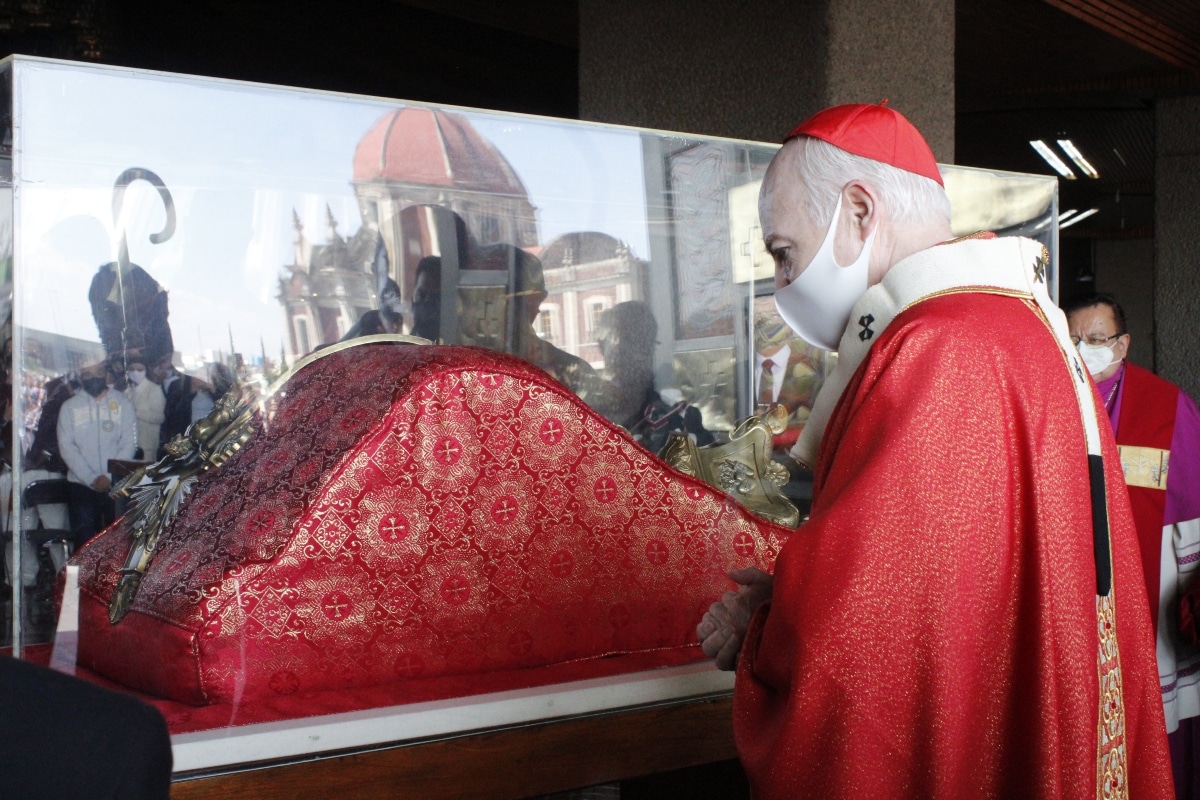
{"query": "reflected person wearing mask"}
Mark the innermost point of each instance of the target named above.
(150, 404)
(95, 426)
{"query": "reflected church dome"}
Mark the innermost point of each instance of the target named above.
(433, 148)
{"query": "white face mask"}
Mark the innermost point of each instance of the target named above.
(136, 376)
(1096, 357)
(818, 302)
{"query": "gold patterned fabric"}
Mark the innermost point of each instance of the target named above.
(1145, 466)
(1112, 762)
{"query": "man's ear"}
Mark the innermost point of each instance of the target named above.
(1121, 348)
(863, 203)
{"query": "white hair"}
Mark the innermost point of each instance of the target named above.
(824, 170)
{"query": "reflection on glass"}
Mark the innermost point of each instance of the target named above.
(226, 231)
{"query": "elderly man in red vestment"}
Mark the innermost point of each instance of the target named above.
(964, 613)
(1158, 435)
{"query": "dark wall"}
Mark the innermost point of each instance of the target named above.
(753, 69)
(1177, 230)
(743, 69)
(380, 48)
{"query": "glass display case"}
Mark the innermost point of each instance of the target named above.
(163, 237)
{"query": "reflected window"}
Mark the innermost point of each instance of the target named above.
(303, 341)
(547, 322)
(594, 308)
(489, 229)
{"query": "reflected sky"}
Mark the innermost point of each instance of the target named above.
(238, 159)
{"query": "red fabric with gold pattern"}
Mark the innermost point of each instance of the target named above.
(934, 629)
(417, 512)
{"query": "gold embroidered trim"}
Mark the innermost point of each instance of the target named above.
(1144, 466)
(977, 289)
(337, 347)
(1111, 759)
(1111, 756)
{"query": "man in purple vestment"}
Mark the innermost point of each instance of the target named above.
(1157, 427)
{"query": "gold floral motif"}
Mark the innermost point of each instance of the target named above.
(558, 552)
(335, 607)
(448, 446)
(394, 527)
(504, 513)
(1111, 763)
(604, 491)
(550, 431)
(454, 593)
(655, 555)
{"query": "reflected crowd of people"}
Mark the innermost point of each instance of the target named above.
(85, 430)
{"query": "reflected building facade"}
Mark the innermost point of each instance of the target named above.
(413, 159)
(586, 274)
(327, 287)
(414, 170)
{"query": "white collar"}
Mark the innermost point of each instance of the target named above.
(779, 359)
(1010, 265)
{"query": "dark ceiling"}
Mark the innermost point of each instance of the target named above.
(1088, 70)
(1078, 69)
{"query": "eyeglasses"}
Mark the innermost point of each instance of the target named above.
(1096, 341)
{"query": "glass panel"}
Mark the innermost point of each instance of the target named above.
(175, 234)
(12, 594)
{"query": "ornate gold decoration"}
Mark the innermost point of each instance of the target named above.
(1144, 466)
(156, 491)
(1112, 757)
(742, 467)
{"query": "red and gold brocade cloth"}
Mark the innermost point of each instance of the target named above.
(935, 629)
(414, 513)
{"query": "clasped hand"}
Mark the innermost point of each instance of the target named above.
(723, 626)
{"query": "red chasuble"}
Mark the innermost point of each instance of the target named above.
(934, 629)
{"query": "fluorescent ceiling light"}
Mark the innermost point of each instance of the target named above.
(1052, 159)
(1064, 216)
(1077, 218)
(1084, 165)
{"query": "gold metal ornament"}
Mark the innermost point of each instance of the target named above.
(742, 467)
(156, 491)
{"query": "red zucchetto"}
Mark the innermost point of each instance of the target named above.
(875, 132)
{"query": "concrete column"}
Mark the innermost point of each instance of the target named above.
(900, 51)
(1176, 233)
(1125, 269)
(753, 70)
